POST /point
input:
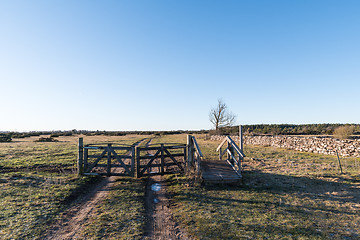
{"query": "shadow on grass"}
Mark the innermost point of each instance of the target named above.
(333, 188)
(263, 194)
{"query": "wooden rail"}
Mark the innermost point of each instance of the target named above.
(195, 155)
(129, 160)
(165, 159)
(234, 154)
(108, 157)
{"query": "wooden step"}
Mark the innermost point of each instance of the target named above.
(217, 171)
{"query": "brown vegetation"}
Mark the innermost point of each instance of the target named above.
(344, 132)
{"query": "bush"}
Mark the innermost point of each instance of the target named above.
(49, 139)
(5, 138)
(343, 132)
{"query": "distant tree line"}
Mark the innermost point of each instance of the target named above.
(8, 136)
(289, 129)
(258, 129)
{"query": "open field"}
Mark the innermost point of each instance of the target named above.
(38, 182)
(284, 195)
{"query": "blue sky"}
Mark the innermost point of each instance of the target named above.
(161, 65)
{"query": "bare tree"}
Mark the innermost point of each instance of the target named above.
(220, 116)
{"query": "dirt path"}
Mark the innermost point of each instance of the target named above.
(71, 223)
(160, 223)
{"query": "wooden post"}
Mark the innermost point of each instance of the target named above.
(220, 152)
(228, 155)
(189, 150)
(133, 161)
(109, 160)
(80, 157)
(86, 153)
(241, 140)
(232, 155)
(341, 172)
(198, 165)
(185, 159)
(162, 159)
(137, 157)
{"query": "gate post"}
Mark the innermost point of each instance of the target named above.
(109, 159)
(189, 150)
(80, 168)
(133, 161)
(86, 153)
(241, 140)
(137, 156)
(162, 159)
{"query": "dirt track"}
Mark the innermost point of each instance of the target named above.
(69, 226)
(159, 224)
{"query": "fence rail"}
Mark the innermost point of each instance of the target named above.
(163, 159)
(195, 155)
(235, 155)
(128, 160)
(106, 160)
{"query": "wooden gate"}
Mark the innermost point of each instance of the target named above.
(160, 159)
(107, 159)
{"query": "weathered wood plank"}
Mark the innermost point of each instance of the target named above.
(96, 161)
(112, 165)
(109, 160)
(221, 144)
(162, 158)
(120, 161)
(105, 174)
(159, 165)
(219, 171)
(197, 147)
(149, 163)
(174, 160)
(133, 162)
(236, 147)
(80, 166)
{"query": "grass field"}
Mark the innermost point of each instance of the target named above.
(284, 195)
(121, 215)
(38, 182)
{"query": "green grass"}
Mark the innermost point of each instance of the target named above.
(30, 201)
(284, 195)
(25, 153)
(121, 215)
(38, 182)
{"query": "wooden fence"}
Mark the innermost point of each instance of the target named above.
(128, 160)
(235, 155)
(106, 159)
(160, 159)
(195, 156)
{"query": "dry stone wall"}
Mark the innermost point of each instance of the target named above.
(323, 145)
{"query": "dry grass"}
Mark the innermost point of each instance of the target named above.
(121, 215)
(38, 182)
(284, 195)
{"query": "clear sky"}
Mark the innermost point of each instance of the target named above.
(161, 65)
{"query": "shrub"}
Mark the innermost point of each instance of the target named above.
(49, 139)
(5, 138)
(343, 132)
